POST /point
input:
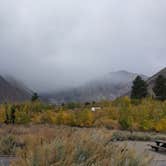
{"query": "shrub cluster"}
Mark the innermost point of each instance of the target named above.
(123, 113)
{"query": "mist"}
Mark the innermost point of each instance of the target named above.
(53, 44)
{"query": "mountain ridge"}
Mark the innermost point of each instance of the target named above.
(110, 86)
(12, 90)
(152, 79)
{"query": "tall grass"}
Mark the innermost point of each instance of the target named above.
(46, 145)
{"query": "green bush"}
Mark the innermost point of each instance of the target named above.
(125, 122)
(8, 145)
(22, 117)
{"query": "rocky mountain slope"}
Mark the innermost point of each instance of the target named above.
(151, 80)
(111, 86)
(12, 90)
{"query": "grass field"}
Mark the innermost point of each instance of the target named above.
(46, 145)
(73, 135)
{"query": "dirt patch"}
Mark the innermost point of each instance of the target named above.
(140, 147)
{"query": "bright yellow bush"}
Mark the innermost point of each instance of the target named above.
(64, 118)
(84, 118)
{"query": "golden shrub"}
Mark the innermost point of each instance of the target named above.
(2, 115)
(161, 125)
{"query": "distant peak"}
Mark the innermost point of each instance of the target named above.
(163, 70)
(120, 72)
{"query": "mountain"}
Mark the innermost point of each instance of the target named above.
(12, 90)
(151, 80)
(109, 87)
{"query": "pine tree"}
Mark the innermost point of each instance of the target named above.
(139, 88)
(160, 88)
(34, 97)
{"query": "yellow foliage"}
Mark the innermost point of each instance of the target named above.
(107, 122)
(146, 114)
(161, 125)
(84, 118)
(48, 117)
(2, 115)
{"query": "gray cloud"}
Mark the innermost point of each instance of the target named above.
(52, 44)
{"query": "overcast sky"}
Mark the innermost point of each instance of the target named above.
(54, 43)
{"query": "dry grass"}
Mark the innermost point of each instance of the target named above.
(137, 136)
(47, 145)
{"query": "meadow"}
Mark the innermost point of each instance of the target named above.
(122, 113)
(72, 134)
(52, 145)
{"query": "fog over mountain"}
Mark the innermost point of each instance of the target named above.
(109, 87)
(12, 90)
(55, 44)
